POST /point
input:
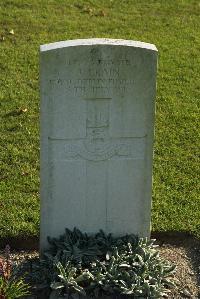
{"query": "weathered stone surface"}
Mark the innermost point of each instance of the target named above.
(97, 117)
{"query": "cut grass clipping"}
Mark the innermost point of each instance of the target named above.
(102, 265)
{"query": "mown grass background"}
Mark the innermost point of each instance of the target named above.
(173, 26)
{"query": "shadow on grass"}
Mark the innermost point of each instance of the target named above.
(184, 239)
(173, 237)
(20, 243)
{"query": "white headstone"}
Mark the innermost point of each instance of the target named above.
(97, 124)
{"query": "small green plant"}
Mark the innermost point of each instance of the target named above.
(11, 287)
(69, 280)
(101, 265)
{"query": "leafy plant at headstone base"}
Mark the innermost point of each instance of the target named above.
(11, 287)
(102, 265)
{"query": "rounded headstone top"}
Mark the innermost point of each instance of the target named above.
(97, 41)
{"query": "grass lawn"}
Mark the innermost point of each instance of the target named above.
(173, 26)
